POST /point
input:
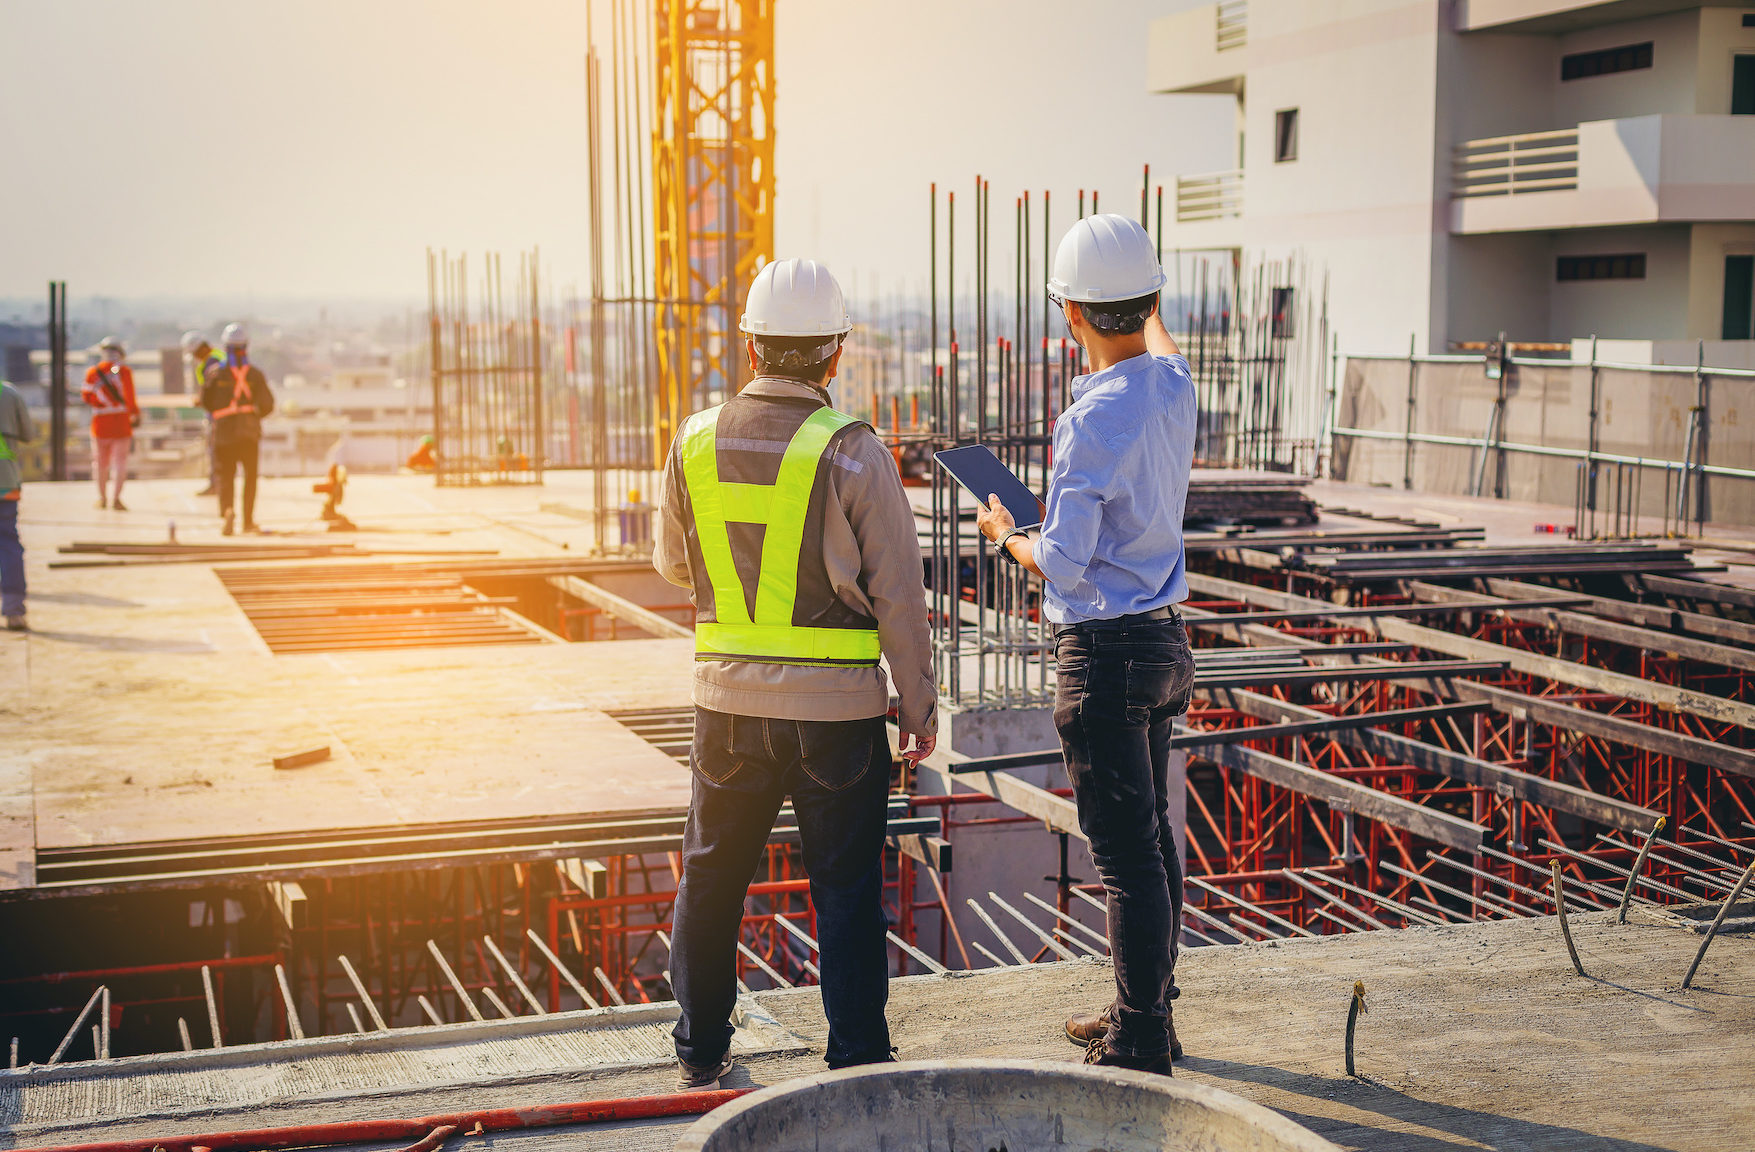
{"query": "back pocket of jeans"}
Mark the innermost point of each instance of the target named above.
(836, 754)
(713, 752)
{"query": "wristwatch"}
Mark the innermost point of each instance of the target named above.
(1000, 544)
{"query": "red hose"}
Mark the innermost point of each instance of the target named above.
(424, 1129)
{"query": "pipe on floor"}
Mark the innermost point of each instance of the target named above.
(371, 1131)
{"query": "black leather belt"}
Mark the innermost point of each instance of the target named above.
(1153, 616)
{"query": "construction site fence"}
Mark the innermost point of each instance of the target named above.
(1633, 449)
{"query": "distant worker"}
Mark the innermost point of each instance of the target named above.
(16, 428)
(788, 522)
(424, 458)
(109, 389)
(236, 394)
(203, 358)
(1110, 555)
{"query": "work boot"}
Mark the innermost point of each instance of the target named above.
(229, 526)
(17, 623)
(102, 503)
(1083, 1029)
(210, 490)
(251, 529)
(694, 1077)
(116, 505)
(1100, 1053)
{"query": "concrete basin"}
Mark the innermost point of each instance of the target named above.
(989, 1106)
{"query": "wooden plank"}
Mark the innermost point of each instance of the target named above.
(1320, 725)
(1345, 795)
(1698, 590)
(1058, 812)
(1530, 663)
(1646, 615)
(1614, 728)
(1614, 632)
(622, 608)
(1481, 773)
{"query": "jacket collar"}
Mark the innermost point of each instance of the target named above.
(787, 387)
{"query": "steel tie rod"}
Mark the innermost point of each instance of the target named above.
(365, 997)
(1490, 903)
(994, 928)
(1052, 944)
(1332, 898)
(512, 975)
(1088, 931)
(1256, 908)
(806, 940)
(456, 984)
(1617, 869)
(1509, 885)
(571, 979)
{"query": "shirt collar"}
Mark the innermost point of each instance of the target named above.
(787, 387)
(1083, 384)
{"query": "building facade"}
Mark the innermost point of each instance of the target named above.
(1554, 171)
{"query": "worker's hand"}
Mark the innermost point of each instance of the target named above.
(993, 520)
(923, 746)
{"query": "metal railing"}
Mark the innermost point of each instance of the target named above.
(1508, 165)
(1209, 196)
(1233, 24)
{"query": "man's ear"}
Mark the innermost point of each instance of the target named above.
(834, 362)
(749, 348)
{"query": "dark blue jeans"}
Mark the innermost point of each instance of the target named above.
(1117, 690)
(838, 775)
(11, 561)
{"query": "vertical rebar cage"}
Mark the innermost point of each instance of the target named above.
(487, 368)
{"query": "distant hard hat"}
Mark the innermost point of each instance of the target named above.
(795, 298)
(109, 342)
(1105, 259)
(191, 341)
(235, 336)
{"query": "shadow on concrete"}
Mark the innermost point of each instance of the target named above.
(1472, 1128)
(87, 599)
(128, 643)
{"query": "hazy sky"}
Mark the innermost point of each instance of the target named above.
(318, 147)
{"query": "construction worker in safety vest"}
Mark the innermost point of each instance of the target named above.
(1111, 559)
(16, 427)
(236, 395)
(109, 390)
(789, 523)
(204, 358)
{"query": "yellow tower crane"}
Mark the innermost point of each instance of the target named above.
(713, 193)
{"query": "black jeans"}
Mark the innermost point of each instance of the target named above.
(229, 457)
(1117, 690)
(838, 775)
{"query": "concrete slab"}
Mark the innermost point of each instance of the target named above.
(1478, 1036)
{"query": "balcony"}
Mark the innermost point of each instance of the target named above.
(1638, 170)
(1209, 196)
(1549, 17)
(1201, 50)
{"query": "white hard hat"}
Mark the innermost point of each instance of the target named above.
(1103, 260)
(235, 335)
(109, 342)
(795, 298)
(191, 341)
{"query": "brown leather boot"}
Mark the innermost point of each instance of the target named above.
(1083, 1029)
(1101, 1054)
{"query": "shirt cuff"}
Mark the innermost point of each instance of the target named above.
(1056, 567)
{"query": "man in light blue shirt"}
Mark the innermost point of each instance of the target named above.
(1111, 559)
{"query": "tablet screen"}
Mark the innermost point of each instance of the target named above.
(977, 469)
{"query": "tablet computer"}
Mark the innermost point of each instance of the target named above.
(976, 468)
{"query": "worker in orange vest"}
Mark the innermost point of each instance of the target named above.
(109, 389)
(236, 394)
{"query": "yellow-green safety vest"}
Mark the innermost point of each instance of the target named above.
(770, 636)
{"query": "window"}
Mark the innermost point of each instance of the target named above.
(1743, 85)
(1285, 135)
(1582, 65)
(1749, 20)
(1283, 298)
(1624, 266)
(1739, 322)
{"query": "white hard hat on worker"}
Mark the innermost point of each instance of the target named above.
(1104, 260)
(795, 316)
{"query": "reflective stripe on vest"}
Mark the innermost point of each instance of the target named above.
(241, 395)
(6, 448)
(770, 637)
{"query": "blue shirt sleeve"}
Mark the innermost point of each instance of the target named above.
(1084, 472)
